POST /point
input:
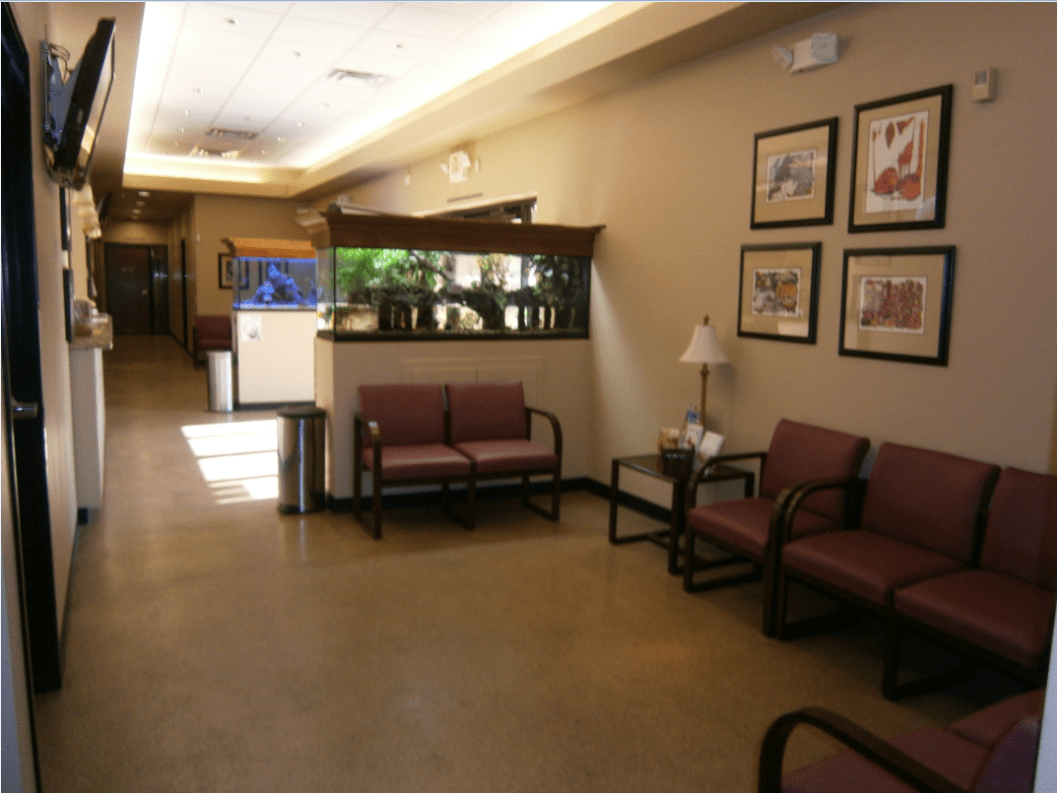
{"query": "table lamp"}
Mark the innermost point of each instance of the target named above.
(704, 349)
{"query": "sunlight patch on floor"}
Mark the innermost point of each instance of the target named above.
(238, 461)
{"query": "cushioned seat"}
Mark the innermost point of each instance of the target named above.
(921, 518)
(404, 426)
(991, 751)
(491, 425)
(1002, 612)
(745, 528)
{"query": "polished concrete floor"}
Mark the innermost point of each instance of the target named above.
(216, 645)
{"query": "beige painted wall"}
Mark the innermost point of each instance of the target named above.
(218, 217)
(666, 166)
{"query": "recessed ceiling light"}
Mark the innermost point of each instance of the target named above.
(199, 90)
(144, 193)
(281, 139)
(297, 54)
(300, 123)
(187, 112)
(398, 46)
(232, 21)
(181, 129)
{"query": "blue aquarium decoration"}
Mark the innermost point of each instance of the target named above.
(278, 283)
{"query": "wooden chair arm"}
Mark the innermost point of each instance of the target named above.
(358, 420)
(695, 480)
(556, 426)
(790, 499)
(864, 743)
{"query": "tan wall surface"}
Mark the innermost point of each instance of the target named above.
(666, 166)
(218, 217)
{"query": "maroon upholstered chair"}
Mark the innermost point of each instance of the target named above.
(491, 425)
(403, 425)
(210, 332)
(1003, 611)
(992, 751)
(921, 518)
(745, 528)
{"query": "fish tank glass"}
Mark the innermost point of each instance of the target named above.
(383, 293)
(268, 282)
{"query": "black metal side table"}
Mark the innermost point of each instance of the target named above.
(651, 465)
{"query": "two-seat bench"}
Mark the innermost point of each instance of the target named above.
(404, 434)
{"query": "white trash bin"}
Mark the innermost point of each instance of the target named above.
(220, 381)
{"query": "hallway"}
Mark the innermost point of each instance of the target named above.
(216, 645)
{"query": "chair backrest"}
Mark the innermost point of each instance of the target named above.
(487, 411)
(799, 452)
(929, 498)
(1021, 535)
(213, 326)
(406, 413)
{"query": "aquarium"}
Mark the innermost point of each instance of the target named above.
(371, 291)
(273, 282)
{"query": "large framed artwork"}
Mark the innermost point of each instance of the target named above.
(793, 175)
(899, 165)
(896, 304)
(778, 297)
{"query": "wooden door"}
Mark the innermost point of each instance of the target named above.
(128, 299)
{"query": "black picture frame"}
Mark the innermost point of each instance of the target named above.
(225, 270)
(900, 162)
(777, 299)
(793, 175)
(896, 304)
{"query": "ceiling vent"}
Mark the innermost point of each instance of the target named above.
(230, 134)
(226, 154)
(353, 77)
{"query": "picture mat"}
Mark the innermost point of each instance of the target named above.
(800, 259)
(816, 138)
(926, 211)
(925, 344)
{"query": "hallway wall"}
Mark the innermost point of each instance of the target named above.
(666, 166)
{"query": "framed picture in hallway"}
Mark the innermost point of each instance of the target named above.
(896, 304)
(793, 175)
(778, 298)
(899, 165)
(226, 267)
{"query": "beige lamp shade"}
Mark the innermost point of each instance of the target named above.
(704, 347)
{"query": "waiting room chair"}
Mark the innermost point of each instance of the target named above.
(745, 528)
(210, 332)
(399, 436)
(1001, 612)
(921, 518)
(991, 751)
(491, 425)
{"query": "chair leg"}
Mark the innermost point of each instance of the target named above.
(556, 497)
(376, 498)
(471, 503)
(781, 602)
(893, 645)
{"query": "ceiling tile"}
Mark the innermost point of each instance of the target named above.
(238, 19)
(403, 45)
(311, 33)
(366, 14)
(426, 22)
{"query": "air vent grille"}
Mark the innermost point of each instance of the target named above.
(230, 134)
(354, 77)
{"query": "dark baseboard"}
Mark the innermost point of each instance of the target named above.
(253, 406)
(496, 492)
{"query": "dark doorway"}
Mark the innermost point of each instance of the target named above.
(128, 288)
(183, 291)
(23, 391)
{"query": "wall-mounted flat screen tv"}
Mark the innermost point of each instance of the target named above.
(74, 105)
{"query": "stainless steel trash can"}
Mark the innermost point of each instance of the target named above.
(220, 391)
(301, 443)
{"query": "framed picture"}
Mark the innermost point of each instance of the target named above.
(899, 166)
(793, 175)
(226, 268)
(896, 304)
(778, 297)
